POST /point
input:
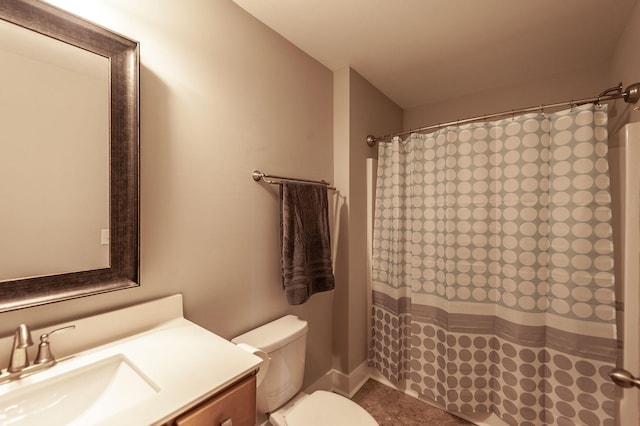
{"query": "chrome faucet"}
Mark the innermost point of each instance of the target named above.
(19, 365)
(19, 357)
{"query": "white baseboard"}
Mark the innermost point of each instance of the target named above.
(348, 385)
(341, 383)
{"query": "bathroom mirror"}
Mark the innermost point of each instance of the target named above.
(70, 148)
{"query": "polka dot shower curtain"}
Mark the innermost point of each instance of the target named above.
(493, 285)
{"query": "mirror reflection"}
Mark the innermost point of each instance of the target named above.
(54, 156)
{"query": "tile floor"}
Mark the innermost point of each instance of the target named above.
(393, 408)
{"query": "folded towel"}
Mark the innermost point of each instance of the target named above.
(304, 241)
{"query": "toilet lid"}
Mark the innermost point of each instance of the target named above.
(323, 408)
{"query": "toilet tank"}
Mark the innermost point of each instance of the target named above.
(285, 341)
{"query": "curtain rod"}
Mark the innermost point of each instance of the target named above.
(258, 175)
(631, 95)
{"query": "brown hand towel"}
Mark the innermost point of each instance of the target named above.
(304, 241)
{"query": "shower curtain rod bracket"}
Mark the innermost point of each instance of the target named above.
(617, 88)
(632, 93)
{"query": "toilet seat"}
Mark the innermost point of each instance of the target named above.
(323, 408)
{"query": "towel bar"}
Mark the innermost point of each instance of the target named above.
(277, 180)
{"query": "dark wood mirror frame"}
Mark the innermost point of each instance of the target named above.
(123, 55)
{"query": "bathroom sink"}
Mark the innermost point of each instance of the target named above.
(75, 393)
(117, 368)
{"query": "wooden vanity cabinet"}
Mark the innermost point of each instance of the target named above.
(234, 406)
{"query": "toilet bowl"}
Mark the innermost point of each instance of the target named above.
(321, 408)
(283, 342)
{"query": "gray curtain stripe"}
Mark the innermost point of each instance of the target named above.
(590, 347)
(398, 306)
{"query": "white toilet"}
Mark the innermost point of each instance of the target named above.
(284, 341)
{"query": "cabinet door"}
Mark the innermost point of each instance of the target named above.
(234, 407)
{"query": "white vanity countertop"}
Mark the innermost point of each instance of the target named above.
(185, 363)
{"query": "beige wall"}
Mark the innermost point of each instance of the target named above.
(580, 83)
(359, 109)
(341, 176)
(625, 67)
(221, 95)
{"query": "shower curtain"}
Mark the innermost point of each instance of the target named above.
(493, 285)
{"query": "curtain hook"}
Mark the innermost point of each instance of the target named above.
(513, 115)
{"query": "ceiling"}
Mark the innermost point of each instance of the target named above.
(424, 51)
